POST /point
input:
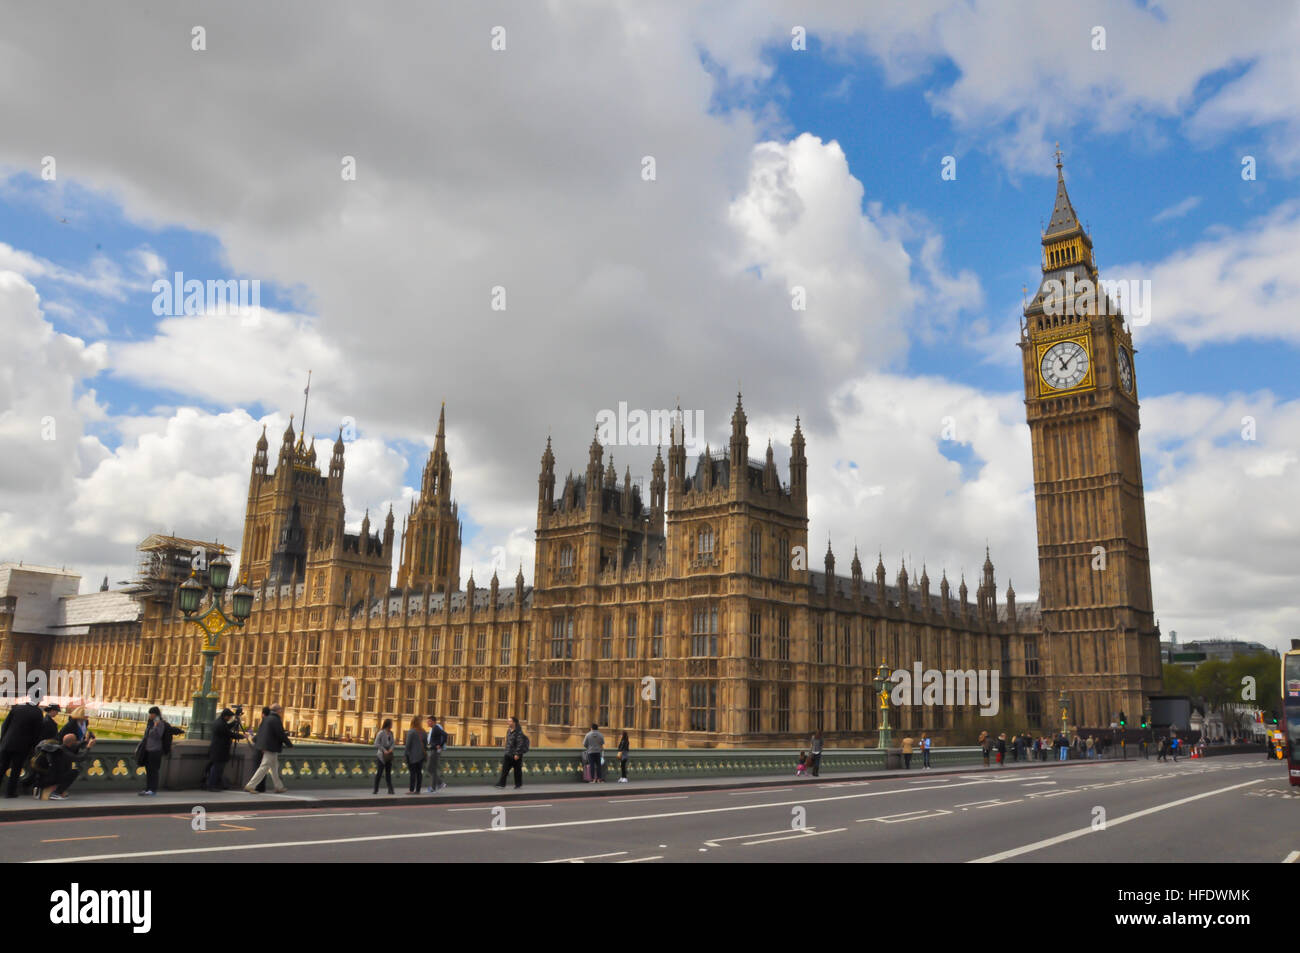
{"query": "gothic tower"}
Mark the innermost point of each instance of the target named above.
(432, 537)
(1082, 408)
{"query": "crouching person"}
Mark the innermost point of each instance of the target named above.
(56, 766)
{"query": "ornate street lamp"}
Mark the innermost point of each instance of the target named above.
(213, 622)
(881, 683)
(1064, 704)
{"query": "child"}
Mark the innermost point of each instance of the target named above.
(801, 769)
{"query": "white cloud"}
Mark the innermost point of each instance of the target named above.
(1178, 209)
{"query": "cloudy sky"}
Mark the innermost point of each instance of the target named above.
(646, 186)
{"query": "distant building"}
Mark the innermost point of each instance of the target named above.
(1192, 654)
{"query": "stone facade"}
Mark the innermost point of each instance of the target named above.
(691, 617)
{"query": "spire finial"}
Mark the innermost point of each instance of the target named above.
(1058, 157)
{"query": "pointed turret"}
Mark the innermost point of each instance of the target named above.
(798, 465)
(739, 447)
(657, 489)
(546, 480)
(336, 460)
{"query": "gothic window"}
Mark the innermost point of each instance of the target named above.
(557, 703)
(410, 700)
(783, 558)
(476, 703)
(503, 702)
(704, 630)
(453, 706)
(1031, 656)
(783, 708)
(607, 637)
(562, 637)
(704, 543)
(756, 635)
(480, 648)
(755, 709)
(703, 712)
(458, 649)
(819, 645)
(657, 636)
(566, 556)
(756, 552)
(629, 705)
(602, 713)
(630, 647)
(783, 639)
(506, 637)
(392, 649)
(819, 708)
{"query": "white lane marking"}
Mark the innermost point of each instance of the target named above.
(718, 841)
(1292, 857)
(640, 860)
(904, 817)
(493, 807)
(999, 804)
(809, 832)
(277, 816)
(371, 838)
(991, 800)
(642, 800)
(1035, 784)
(578, 860)
(930, 781)
(1082, 832)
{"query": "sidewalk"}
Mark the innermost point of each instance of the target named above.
(120, 803)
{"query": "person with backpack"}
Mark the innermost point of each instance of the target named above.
(516, 746)
(18, 736)
(55, 766)
(384, 742)
(435, 740)
(156, 743)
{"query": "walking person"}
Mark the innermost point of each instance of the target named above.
(18, 736)
(816, 754)
(223, 739)
(257, 750)
(986, 745)
(157, 741)
(271, 740)
(925, 749)
(594, 747)
(1002, 749)
(435, 739)
(1092, 748)
(415, 755)
(384, 755)
(907, 753)
(624, 746)
(516, 746)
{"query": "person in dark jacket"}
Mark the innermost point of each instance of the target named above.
(415, 755)
(156, 743)
(50, 725)
(18, 736)
(224, 737)
(271, 740)
(1002, 749)
(435, 739)
(624, 747)
(257, 751)
(78, 724)
(56, 766)
(515, 747)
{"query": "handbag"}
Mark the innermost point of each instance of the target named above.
(140, 757)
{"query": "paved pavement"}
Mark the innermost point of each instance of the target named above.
(1232, 808)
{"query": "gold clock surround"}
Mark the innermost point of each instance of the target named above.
(1089, 381)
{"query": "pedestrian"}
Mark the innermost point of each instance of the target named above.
(434, 741)
(223, 739)
(384, 755)
(1019, 748)
(79, 724)
(516, 746)
(1091, 748)
(156, 743)
(18, 736)
(1063, 747)
(1174, 745)
(624, 746)
(257, 750)
(415, 755)
(816, 753)
(925, 749)
(907, 753)
(801, 766)
(986, 745)
(593, 745)
(1002, 749)
(55, 766)
(49, 724)
(271, 740)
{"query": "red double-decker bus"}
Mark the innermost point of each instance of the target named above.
(1291, 710)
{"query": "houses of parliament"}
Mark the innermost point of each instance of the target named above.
(685, 616)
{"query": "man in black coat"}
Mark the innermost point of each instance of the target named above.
(50, 724)
(18, 736)
(223, 737)
(271, 740)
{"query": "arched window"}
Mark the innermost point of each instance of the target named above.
(704, 542)
(566, 556)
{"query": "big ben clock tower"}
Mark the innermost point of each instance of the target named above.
(1081, 403)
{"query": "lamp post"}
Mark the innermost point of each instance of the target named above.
(1064, 704)
(881, 682)
(213, 622)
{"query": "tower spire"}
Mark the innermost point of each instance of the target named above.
(306, 392)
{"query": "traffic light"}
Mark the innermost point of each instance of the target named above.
(1144, 721)
(1273, 717)
(1122, 719)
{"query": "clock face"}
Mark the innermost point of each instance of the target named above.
(1125, 364)
(1064, 365)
